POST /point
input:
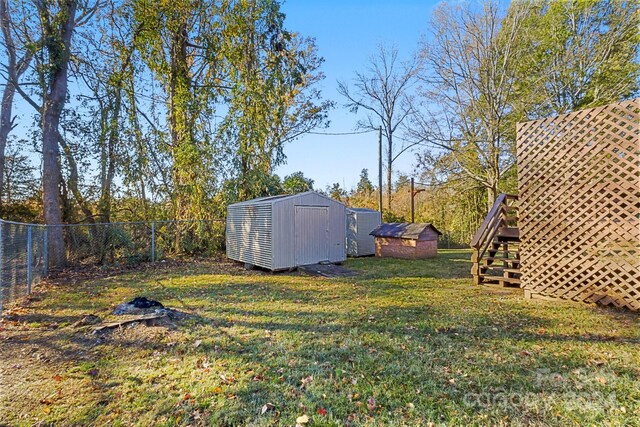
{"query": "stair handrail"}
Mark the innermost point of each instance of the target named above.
(490, 225)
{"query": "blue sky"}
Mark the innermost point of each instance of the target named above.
(347, 33)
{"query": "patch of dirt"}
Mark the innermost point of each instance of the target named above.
(46, 353)
(327, 270)
(81, 272)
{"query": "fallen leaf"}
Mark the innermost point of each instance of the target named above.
(371, 404)
(266, 407)
(305, 381)
(301, 420)
(197, 343)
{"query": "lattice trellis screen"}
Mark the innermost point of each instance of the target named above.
(579, 209)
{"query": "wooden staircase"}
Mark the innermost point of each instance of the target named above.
(496, 256)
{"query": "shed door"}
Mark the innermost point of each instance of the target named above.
(312, 234)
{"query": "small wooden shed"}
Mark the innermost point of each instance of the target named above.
(406, 240)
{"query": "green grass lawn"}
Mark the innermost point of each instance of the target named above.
(404, 343)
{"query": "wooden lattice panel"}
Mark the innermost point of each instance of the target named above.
(579, 209)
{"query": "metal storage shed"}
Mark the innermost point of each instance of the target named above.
(283, 232)
(360, 223)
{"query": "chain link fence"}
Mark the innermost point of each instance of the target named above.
(23, 259)
(24, 256)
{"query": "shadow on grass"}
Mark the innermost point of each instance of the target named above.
(388, 334)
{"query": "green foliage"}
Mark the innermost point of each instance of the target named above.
(335, 191)
(391, 216)
(402, 183)
(272, 97)
(177, 41)
(586, 54)
(296, 183)
(364, 184)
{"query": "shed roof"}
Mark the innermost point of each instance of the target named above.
(402, 230)
(280, 197)
(362, 210)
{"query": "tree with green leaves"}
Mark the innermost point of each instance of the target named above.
(364, 186)
(296, 183)
(179, 42)
(272, 94)
(335, 191)
(585, 55)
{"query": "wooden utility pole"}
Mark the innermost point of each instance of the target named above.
(413, 195)
(380, 170)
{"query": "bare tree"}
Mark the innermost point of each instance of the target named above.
(16, 64)
(383, 91)
(467, 95)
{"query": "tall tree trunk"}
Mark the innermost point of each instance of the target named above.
(180, 85)
(58, 46)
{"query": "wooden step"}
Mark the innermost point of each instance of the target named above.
(501, 268)
(496, 269)
(508, 234)
(502, 259)
(513, 280)
(499, 255)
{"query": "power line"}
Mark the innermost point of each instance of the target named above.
(342, 133)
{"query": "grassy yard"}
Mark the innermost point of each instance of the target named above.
(404, 343)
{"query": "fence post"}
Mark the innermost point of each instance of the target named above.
(153, 241)
(29, 258)
(45, 251)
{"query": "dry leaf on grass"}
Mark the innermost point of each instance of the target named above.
(266, 407)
